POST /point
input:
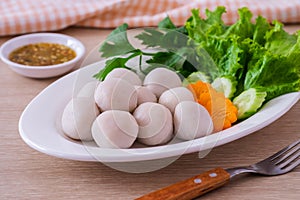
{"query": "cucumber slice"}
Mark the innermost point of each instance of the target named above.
(225, 85)
(248, 102)
(196, 76)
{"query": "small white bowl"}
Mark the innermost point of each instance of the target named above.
(42, 71)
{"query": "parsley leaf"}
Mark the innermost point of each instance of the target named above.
(184, 60)
(167, 36)
(166, 23)
(109, 66)
(150, 37)
(116, 62)
(170, 60)
(116, 43)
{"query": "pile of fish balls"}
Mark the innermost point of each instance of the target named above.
(124, 109)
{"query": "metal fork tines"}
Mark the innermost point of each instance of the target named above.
(281, 162)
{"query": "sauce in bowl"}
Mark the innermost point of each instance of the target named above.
(42, 54)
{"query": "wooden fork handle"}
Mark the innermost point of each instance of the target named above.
(192, 187)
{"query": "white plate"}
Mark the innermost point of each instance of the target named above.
(40, 127)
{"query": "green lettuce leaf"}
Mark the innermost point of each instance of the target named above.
(276, 74)
(278, 41)
(261, 27)
(255, 55)
(243, 27)
(222, 43)
(201, 29)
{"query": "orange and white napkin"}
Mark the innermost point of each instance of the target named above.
(24, 16)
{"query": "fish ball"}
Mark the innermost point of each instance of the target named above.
(144, 95)
(115, 129)
(191, 121)
(88, 89)
(116, 94)
(78, 117)
(126, 75)
(155, 123)
(172, 97)
(160, 80)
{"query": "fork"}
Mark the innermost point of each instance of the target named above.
(280, 163)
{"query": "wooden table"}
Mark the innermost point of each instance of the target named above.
(28, 174)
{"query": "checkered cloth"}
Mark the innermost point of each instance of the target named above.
(23, 16)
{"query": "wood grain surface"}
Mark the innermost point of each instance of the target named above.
(28, 174)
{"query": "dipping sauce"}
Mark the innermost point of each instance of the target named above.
(42, 54)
